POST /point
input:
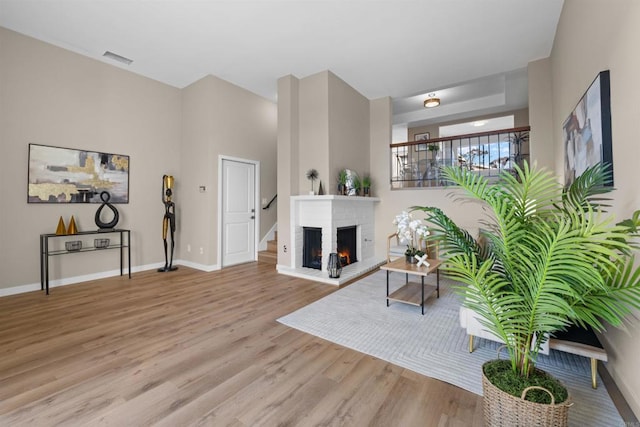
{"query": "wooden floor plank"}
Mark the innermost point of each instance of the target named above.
(197, 348)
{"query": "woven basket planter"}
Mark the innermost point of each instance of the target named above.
(504, 410)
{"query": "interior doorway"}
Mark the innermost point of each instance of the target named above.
(238, 217)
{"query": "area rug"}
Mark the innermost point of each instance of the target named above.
(434, 344)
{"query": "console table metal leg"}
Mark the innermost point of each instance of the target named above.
(46, 265)
(121, 252)
(422, 297)
(129, 251)
(438, 283)
(387, 288)
(41, 264)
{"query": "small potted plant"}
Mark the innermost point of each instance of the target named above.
(342, 182)
(312, 175)
(434, 149)
(357, 184)
(366, 185)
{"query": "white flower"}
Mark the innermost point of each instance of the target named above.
(410, 230)
(422, 231)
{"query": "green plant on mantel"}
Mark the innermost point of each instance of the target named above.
(552, 257)
(357, 184)
(342, 181)
(312, 175)
(366, 181)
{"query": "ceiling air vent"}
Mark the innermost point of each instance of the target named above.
(117, 57)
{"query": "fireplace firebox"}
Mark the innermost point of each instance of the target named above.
(347, 245)
(312, 247)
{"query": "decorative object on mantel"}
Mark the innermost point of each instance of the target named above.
(72, 229)
(61, 230)
(168, 222)
(352, 179)
(357, 185)
(312, 175)
(320, 189)
(334, 266)
(366, 185)
(412, 233)
(106, 226)
(342, 182)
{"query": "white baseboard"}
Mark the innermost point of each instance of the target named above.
(21, 289)
(201, 267)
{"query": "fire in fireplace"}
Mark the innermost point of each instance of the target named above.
(346, 247)
(312, 247)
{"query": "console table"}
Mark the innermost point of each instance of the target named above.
(46, 252)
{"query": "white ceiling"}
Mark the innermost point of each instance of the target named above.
(472, 53)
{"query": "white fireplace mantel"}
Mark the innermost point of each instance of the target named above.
(330, 212)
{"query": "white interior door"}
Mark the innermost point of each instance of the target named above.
(238, 212)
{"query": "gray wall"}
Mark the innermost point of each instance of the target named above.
(51, 96)
(579, 53)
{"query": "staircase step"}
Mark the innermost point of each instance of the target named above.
(272, 246)
(268, 257)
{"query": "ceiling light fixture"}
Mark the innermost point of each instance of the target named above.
(431, 101)
(117, 57)
(480, 123)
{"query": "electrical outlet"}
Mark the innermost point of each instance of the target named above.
(264, 202)
(201, 251)
(285, 248)
(188, 248)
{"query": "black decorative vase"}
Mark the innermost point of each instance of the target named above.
(334, 266)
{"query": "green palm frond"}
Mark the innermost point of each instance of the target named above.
(586, 188)
(551, 258)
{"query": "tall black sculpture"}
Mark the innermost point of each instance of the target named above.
(168, 222)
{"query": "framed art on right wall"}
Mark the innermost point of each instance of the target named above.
(587, 130)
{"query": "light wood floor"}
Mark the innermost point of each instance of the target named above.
(194, 348)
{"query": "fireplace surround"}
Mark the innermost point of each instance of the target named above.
(331, 213)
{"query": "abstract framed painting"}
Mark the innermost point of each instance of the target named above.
(68, 175)
(587, 131)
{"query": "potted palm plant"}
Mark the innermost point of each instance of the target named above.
(552, 258)
(342, 182)
(366, 185)
(357, 184)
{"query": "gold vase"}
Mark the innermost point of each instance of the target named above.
(72, 226)
(61, 230)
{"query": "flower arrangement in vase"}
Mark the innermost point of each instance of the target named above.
(411, 232)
